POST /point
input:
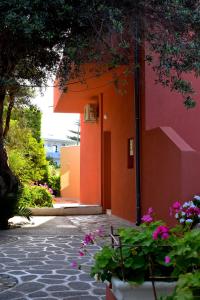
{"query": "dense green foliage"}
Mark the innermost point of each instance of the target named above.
(32, 36)
(186, 259)
(27, 158)
(138, 251)
(35, 196)
(185, 254)
(26, 155)
(142, 256)
(53, 179)
(188, 287)
(28, 116)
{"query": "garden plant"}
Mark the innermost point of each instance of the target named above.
(153, 251)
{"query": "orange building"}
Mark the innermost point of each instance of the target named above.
(134, 157)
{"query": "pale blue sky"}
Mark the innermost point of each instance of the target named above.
(54, 125)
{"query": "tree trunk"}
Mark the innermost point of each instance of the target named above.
(8, 182)
(8, 115)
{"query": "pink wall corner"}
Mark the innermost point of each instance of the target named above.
(70, 172)
(166, 108)
(161, 173)
(190, 175)
(170, 171)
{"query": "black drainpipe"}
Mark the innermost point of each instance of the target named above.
(137, 100)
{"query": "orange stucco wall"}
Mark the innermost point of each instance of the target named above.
(114, 117)
(119, 109)
(103, 167)
(170, 144)
(70, 172)
(90, 171)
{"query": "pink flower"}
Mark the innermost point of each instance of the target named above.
(192, 211)
(88, 239)
(162, 232)
(167, 259)
(150, 210)
(176, 206)
(147, 219)
(165, 235)
(74, 264)
(81, 253)
(100, 231)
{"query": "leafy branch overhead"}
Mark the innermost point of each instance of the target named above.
(105, 33)
(35, 35)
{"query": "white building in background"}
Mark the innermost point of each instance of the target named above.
(52, 147)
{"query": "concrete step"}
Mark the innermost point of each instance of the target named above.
(69, 210)
(66, 200)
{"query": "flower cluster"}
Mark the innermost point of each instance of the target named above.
(135, 252)
(148, 218)
(188, 212)
(45, 186)
(89, 239)
(161, 232)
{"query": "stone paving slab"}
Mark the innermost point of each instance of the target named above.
(39, 258)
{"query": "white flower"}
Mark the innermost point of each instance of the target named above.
(182, 220)
(96, 277)
(196, 197)
(183, 213)
(188, 204)
(188, 221)
(176, 216)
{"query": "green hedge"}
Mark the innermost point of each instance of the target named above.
(35, 196)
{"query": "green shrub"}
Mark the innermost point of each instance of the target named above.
(54, 183)
(35, 196)
(53, 179)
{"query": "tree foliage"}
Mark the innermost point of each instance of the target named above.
(107, 31)
(29, 116)
(26, 155)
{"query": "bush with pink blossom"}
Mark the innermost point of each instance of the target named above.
(150, 251)
(188, 213)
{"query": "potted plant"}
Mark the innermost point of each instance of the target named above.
(145, 262)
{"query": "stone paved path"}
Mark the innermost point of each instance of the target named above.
(35, 261)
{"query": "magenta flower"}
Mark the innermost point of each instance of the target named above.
(88, 239)
(167, 259)
(147, 219)
(81, 253)
(176, 206)
(165, 235)
(74, 264)
(161, 232)
(150, 211)
(192, 211)
(100, 231)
